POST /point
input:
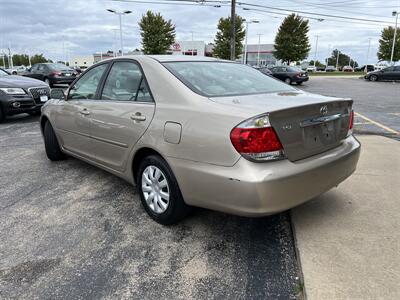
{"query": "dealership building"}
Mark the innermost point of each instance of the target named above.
(195, 48)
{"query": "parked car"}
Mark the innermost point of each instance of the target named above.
(347, 69)
(52, 73)
(290, 74)
(369, 68)
(330, 69)
(202, 132)
(17, 70)
(391, 73)
(321, 69)
(311, 69)
(21, 95)
(381, 65)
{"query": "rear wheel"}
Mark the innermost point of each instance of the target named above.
(47, 81)
(51, 145)
(373, 78)
(159, 191)
(288, 80)
(2, 115)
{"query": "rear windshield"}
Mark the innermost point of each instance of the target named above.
(213, 79)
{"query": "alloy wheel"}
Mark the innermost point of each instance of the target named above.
(155, 189)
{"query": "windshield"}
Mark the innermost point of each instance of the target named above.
(59, 67)
(3, 73)
(224, 78)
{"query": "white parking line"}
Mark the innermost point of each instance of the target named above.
(377, 123)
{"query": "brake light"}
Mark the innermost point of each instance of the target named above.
(255, 139)
(56, 73)
(351, 122)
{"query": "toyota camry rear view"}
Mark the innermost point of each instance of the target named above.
(201, 132)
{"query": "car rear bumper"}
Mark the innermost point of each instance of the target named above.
(259, 189)
(301, 79)
(62, 80)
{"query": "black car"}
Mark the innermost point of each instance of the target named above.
(390, 73)
(289, 74)
(370, 68)
(52, 73)
(21, 95)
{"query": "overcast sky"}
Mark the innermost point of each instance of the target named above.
(85, 27)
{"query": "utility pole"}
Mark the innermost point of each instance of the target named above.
(395, 13)
(192, 43)
(233, 29)
(366, 63)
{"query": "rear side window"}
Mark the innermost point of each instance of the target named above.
(215, 79)
(125, 82)
(86, 86)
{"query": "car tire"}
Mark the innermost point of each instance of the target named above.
(159, 191)
(46, 80)
(51, 145)
(373, 77)
(288, 80)
(2, 115)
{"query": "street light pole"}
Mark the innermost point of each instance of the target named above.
(337, 60)
(245, 43)
(369, 47)
(395, 13)
(316, 49)
(120, 25)
(258, 52)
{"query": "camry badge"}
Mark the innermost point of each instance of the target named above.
(287, 127)
(324, 110)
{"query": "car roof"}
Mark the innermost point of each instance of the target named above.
(169, 58)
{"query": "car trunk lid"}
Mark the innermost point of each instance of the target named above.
(311, 129)
(306, 124)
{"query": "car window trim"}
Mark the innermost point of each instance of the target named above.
(87, 70)
(130, 60)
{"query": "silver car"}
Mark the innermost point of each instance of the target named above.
(195, 131)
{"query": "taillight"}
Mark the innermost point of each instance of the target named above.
(255, 139)
(351, 122)
(56, 73)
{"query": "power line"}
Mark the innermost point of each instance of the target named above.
(315, 14)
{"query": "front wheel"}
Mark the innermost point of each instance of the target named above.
(159, 191)
(47, 81)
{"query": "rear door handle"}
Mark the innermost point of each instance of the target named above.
(84, 112)
(138, 117)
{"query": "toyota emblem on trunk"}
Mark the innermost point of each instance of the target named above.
(324, 110)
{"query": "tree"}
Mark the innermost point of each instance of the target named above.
(344, 60)
(291, 41)
(317, 63)
(386, 42)
(39, 58)
(222, 48)
(157, 34)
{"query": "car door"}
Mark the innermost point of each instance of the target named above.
(396, 73)
(387, 73)
(33, 71)
(73, 121)
(122, 115)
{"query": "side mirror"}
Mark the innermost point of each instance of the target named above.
(57, 94)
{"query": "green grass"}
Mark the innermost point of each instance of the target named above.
(336, 74)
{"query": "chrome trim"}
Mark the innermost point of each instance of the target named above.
(320, 120)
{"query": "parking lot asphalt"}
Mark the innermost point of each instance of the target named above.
(69, 230)
(377, 104)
